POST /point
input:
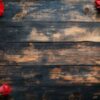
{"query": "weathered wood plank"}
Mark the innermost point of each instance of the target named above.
(49, 31)
(55, 10)
(50, 75)
(51, 81)
(67, 1)
(51, 21)
(50, 53)
(56, 93)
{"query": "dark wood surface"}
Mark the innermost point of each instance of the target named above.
(42, 31)
(50, 20)
(69, 53)
(52, 82)
(50, 50)
(50, 75)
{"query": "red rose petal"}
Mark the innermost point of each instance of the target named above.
(5, 89)
(1, 8)
(98, 2)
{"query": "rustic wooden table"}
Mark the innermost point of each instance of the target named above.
(50, 49)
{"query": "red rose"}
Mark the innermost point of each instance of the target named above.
(1, 8)
(97, 3)
(5, 89)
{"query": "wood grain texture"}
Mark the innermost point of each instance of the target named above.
(50, 20)
(50, 50)
(50, 75)
(50, 82)
(49, 31)
(58, 93)
(50, 53)
(51, 10)
(46, 0)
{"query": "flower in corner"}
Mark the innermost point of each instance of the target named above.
(5, 89)
(1, 8)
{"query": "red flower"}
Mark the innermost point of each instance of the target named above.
(97, 3)
(1, 8)
(5, 89)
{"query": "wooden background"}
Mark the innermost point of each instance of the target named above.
(50, 49)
